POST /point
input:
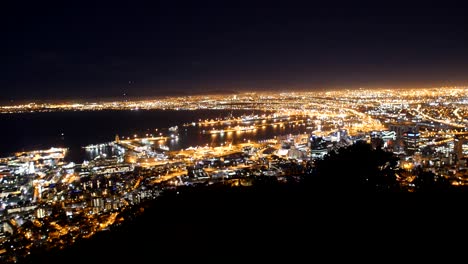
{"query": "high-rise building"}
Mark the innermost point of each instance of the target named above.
(406, 137)
(318, 147)
(458, 147)
(411, 142)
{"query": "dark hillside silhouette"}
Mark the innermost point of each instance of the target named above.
(357, 168)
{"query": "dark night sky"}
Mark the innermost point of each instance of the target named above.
(66, 51)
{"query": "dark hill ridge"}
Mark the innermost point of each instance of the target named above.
(191, 221)
(263, 222)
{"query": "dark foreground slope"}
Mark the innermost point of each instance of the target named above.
(204, 221)
(265, 223)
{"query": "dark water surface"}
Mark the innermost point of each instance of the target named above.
(74, 130)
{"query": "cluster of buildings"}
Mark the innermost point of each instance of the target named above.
(48, 202)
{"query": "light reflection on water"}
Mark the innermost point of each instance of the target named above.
(199, 135)
(74, 130)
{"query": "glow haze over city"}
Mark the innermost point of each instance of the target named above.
(77, 52)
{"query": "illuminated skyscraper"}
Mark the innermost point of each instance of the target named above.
(411, 141)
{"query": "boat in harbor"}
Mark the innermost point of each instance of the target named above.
(233, 129)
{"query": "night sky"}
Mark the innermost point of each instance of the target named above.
(73, 51)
